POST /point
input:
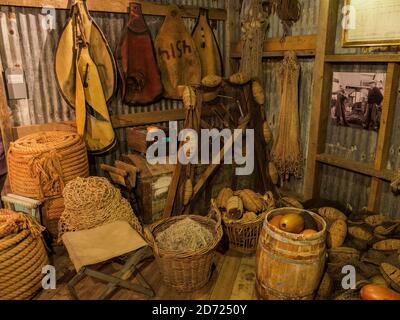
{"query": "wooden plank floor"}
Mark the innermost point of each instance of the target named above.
(232, 279)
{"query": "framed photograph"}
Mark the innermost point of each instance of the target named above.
(370, 23)
(357, 99)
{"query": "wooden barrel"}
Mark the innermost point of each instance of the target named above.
(288, 266)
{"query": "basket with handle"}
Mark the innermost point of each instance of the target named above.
(243, 236)
(186, 271)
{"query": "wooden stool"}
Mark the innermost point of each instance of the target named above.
(103, 244)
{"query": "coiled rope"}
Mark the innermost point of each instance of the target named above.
(22, 256)
(40, 164)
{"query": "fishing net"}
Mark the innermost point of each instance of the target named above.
(254, 24)
(286, 153)
(92, 202)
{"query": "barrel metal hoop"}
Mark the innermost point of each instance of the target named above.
(286, 296)
(286, 259)
(278, 237)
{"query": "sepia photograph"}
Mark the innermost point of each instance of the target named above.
(357, 99)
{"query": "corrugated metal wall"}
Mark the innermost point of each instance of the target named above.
(28, 45)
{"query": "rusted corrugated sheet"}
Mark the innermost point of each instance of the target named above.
(27, 44)
(390, 204)
(344, 186)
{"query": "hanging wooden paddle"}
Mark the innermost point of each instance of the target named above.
(177, 55)
(86, 76)
(137, 64)
(209, 52)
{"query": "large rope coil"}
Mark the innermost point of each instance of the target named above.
(22, 256)
(40, 164)
(92, 202)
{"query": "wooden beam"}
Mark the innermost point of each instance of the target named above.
(385, 131)
(355, 166)
(360, 58)
(119, 122)
(5, 116)
(229, 26)
(145, 118)
(118, 6)
(22, 131)
(281, 54)
(297, 43)
(320, 100)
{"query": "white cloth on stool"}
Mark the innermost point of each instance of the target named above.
(93, 246)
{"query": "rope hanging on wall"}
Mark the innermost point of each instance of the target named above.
(254, 24)
(288, 11)
(286, 153)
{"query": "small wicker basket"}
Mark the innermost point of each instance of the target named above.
(243, 236)
(186, 272)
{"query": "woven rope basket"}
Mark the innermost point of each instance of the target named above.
(22, 256)
(40, 164)
(187, 271)
(243, 236)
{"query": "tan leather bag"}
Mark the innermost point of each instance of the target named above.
(209, 52)
(177, 56)
(86, 75)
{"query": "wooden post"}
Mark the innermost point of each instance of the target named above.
(227, 49)
(385, 131)
(5, 117)
(320, 99)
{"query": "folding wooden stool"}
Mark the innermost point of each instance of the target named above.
(105, 243)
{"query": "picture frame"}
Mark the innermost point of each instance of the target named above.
(365, 29)
(357, 99)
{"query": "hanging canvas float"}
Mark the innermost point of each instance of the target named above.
(178, 58)
(210, 55)
(137, 64)
(86, 76)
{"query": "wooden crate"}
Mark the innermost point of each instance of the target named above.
(152, 187)
(137, 138)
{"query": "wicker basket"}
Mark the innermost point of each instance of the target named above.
(186, 272)
(243, 236)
